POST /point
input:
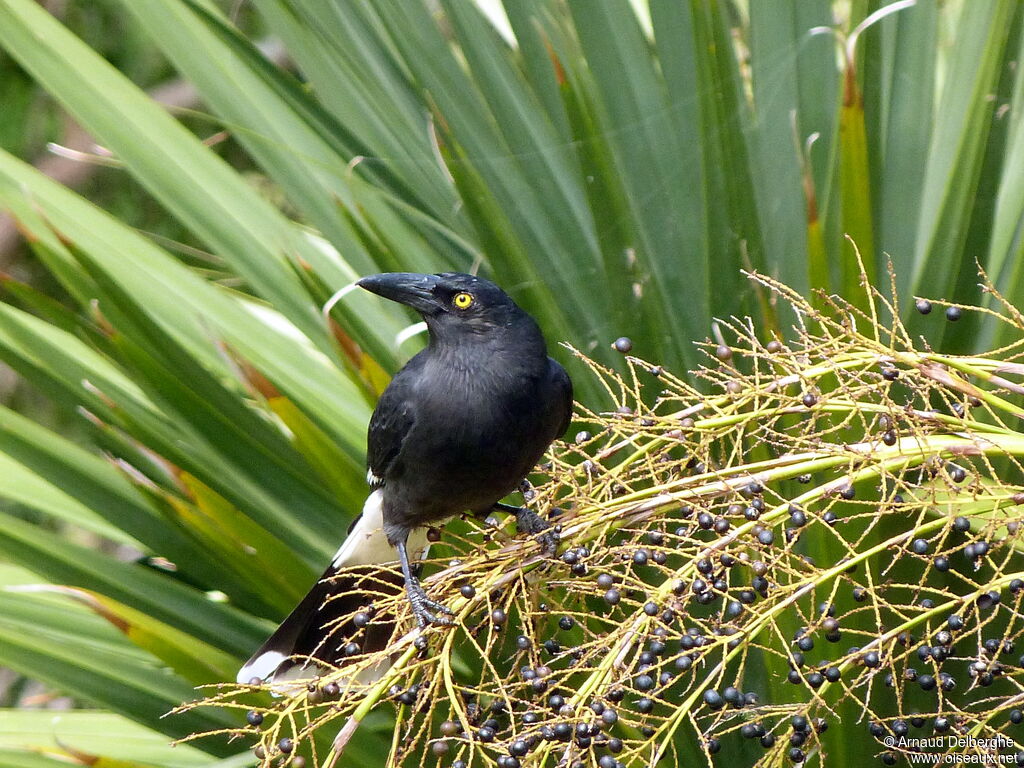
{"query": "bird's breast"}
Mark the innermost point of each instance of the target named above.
(477, 434)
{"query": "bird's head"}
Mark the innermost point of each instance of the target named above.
(452, 303)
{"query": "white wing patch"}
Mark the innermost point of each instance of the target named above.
(261, 667)
(367, 544)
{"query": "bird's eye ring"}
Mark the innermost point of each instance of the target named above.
(462, 300)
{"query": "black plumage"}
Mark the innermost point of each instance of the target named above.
(457, 430)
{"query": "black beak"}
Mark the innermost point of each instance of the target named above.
(409, 288)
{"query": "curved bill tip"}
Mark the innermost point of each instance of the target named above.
(409, 288)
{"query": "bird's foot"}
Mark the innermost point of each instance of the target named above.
(526, 489)
(427, 611)
(529, 522)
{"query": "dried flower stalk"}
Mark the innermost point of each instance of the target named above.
(839, 520)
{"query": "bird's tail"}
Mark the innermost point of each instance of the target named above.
(363, 571)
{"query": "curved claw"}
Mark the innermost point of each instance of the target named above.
(439, 607)
(528, 521)
(428, 611)
(549, 539)
(425, 618)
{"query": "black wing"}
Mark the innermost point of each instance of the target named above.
(391, 422)
(563, 395)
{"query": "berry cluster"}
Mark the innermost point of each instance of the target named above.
(824, 550)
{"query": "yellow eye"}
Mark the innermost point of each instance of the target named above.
(462, 300)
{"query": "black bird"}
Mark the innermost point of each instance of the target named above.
(456, 430)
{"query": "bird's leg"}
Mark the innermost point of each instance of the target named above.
(529, 522)
(427, 611)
